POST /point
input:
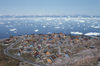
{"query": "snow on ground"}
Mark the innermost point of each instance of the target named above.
(79, 33)
(92, 33)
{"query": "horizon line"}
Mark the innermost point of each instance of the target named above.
(42, 15)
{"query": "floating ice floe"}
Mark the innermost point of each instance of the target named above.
(9, 22)
(1, 23)
(49, 32)
(30, 24)
(82, 21)
(79, 33)
(14, 29)
(9, 26)
(36, 30)
(44, 26)
(49, 19)
(92, 34)
(66, 19)
(57, 27)
(95, 26)
(63, 28)
(60, 23)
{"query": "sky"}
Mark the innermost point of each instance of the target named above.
(50, 7)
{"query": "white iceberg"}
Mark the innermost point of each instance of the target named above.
(14, 29)
(44, 26)
(92, 34)
(36, 30)
(79, 33)
(95, 26)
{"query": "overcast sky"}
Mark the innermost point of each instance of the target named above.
(50, 7)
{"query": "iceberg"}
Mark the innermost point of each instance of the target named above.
(92, 34)
(79, 33)
(14, 29)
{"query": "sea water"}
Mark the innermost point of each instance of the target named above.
(22, 25)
